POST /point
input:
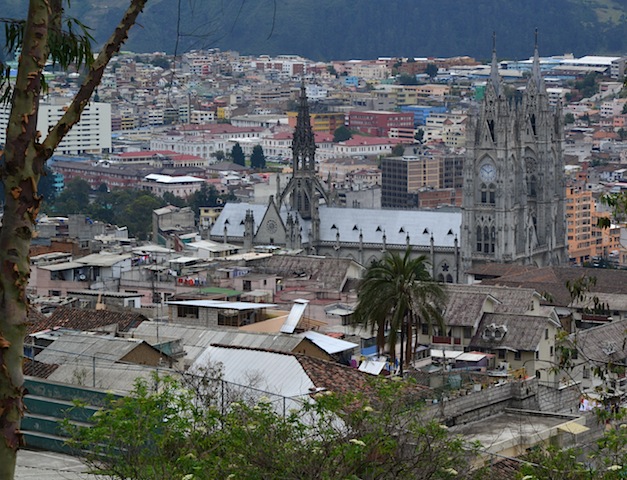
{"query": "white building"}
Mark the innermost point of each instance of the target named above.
(92, 134)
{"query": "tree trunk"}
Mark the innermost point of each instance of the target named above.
(24, 158)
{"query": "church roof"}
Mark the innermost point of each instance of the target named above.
(420, 225)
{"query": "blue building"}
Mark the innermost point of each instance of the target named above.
(422, 112)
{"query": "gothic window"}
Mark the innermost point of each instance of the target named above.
(491, 127)
(492, 239)
(533, 123)
(532, 184)
(488, 194)
(486, 240)
(479, 238)
(449, 278)
(440, 278)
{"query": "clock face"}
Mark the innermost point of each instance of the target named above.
(271, 226)
(487, 172)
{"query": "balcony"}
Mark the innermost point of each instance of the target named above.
(446, 340)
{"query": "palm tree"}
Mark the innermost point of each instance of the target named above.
(398, 294)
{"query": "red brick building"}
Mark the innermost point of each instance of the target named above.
(379, 124)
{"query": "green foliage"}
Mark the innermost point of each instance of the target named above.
(431, 70)
(398, 150)
(398, 294)
(172, 433)
(404, 79)
(618, 204)
(569, 119)
(580, 292)
(341, 134)
(257, 158)
(419, 135)
(219, 155)
(237, 154)
(207, 196)
(588, 85)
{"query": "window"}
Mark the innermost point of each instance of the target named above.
(546, 334)
(537, 355)
(187, 311)
(551, 351)
(425, 328)
(501, 354)
(467, 332)
(517, 355)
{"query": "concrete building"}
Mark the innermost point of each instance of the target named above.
(382, 124)
(92, 134)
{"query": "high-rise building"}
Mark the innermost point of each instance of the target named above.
(92, 134)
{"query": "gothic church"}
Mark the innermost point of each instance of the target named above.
(514, 185)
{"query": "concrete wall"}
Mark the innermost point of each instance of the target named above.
(524, 394)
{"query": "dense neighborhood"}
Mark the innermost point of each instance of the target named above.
(276, 188)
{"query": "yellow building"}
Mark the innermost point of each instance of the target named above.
(320, 122)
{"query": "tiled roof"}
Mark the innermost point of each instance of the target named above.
(86, 320)
(552, 280)
(464, 303)
(33, 368)
(603, 343)
(524, 332)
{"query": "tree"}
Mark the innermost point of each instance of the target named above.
(40, 36)
(398, 150)
(238, 155)
(419, 135)
(404, 79)
(218, 155)
(397, 294)
(569, 118)
(257, 158)
(431, 70)
(74, 198)
(341, 134)
(174, 433)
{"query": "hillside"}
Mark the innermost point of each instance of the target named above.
(344, 29)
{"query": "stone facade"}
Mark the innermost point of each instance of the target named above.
(514, 190)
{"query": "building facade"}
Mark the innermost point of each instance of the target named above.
(514, 185)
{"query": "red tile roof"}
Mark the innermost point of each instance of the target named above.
(86, 319)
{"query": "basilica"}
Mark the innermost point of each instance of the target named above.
(512, 210)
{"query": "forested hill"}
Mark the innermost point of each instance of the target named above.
(346, 29)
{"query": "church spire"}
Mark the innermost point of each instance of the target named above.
(536, 76)
(303, 144)
(494, 68)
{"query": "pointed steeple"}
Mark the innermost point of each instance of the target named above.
(494, 68)
(536, 75)
(303, 144)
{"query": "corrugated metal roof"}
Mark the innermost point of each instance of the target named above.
(61, 266)
(329, 344)
(86, 347)
(223, 304)
(296, 313)
(273, 372)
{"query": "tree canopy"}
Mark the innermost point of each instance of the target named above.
(257, 158)
(238, 155)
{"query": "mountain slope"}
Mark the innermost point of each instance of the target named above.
(343, 29)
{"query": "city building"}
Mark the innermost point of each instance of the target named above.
(92, 133)
(381, 124)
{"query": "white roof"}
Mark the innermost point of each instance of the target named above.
(56, 267)
(272, 372)
(372, 367)
(223, 305)
(445, 353)
(329, 344)
(296, 313)
(471, 357)
(591, 60)
(155, 177)
(211, 246)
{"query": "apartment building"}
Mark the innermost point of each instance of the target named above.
(382, 124)
(402, 177)
(92, 134)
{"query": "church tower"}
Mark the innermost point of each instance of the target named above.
(514, 188)
(304, 187)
